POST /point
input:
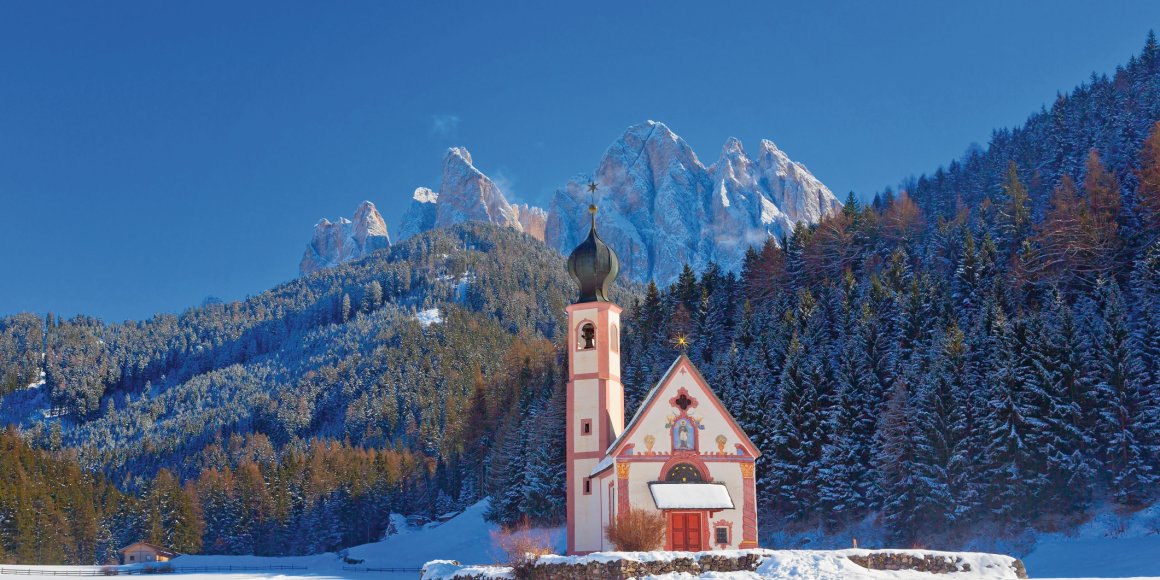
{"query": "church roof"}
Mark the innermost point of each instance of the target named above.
(650, 400)
(593, 266)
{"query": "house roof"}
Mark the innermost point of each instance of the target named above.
(650, 400)
(161, 551)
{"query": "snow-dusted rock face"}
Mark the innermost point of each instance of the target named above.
(660, 207)
(533, 220)
(468, 195)
(336, 242)
(420, 215)
(754, 199)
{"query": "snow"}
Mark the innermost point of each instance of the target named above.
(425, 195)
(37, 384)
(605, 463)
(428, 317)
(692, 496)
(777, 565)
(465, 538)
(1110, 546)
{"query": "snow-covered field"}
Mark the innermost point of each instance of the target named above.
(1106, 547)
(1109, 546)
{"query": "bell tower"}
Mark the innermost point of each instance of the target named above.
(595, 396)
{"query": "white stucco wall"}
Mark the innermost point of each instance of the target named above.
(722, 465)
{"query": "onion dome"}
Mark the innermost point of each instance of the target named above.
(593, 265)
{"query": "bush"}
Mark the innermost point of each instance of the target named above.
(522, 545)
(637, 530)
(110, 571)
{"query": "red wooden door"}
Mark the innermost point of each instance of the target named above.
(685, 531)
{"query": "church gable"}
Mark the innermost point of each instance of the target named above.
(682, 414)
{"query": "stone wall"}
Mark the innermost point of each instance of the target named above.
(624, 569)
(932, 563)
(621, 566)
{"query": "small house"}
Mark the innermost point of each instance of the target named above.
(139, 552)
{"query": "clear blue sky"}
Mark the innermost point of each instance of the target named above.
(155, 153)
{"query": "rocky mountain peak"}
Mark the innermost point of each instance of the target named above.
(344, 240)
(466, 194)
(660, 207)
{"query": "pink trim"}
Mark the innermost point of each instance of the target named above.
(576, 335)
(749, 512)
(685, 392)
(608, 390)
(686, 457)
(622, 503)
(683, 365)
(728, 525)
(611, 504)
(644, 456)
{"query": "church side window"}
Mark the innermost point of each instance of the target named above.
(722, 534)
(586, 338)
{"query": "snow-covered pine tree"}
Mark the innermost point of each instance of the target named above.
(1069, 448)
(543, 500)
(846, 465)
(944, 468)
(1014, 467)
(1128, 426)
(894, 464)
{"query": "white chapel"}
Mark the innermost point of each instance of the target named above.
(681, 454)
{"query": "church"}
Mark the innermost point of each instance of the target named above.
(682, 454)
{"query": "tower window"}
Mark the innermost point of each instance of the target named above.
(586, 426)
(587, 336)
(587, 486)
(614, 338)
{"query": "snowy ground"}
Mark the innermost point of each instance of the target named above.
(781, 565)
(1107, 547)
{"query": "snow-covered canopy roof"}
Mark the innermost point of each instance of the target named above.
(691, 496)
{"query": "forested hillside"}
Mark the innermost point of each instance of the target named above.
(300, 418)
(986, 358)
(981, 353)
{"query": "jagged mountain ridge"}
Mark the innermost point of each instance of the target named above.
(334, 243)
(661, 207)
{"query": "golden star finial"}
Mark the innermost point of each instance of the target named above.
(592, 187)
(681, 341)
